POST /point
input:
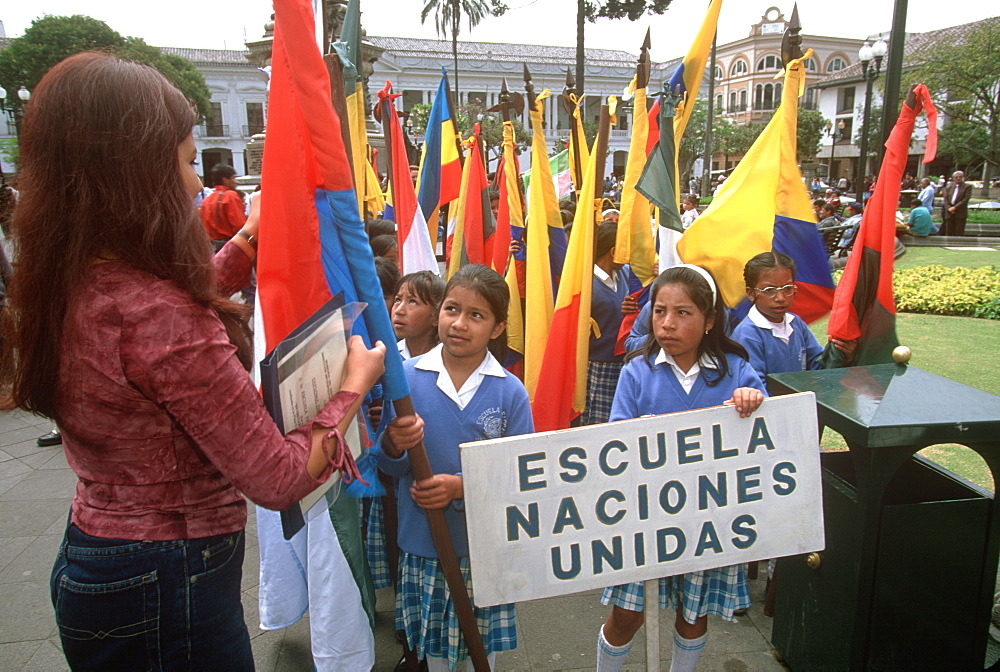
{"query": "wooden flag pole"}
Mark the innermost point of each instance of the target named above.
(421, 468)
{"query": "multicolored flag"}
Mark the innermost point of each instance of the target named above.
(863, 305)
(762, 206)
(510, 210)
(440, 176)
(561, 393)
(658, 181)
(686, 80)
(546, 249)
(348, 47)
(415, 251)
(313, 246)
(634, 244)
(474, 225)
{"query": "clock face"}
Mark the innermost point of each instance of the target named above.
(772, 28)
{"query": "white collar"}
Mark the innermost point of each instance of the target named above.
(404, 349)
(782, 330)
(433, 360)
(706, 361)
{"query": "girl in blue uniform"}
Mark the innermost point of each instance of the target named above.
(413, 310)
(460, 393)
(776, 339)
(689, 363)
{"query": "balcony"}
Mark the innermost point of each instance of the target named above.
(252, 129)
(213, 130)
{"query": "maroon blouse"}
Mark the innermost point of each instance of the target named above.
(161, 423)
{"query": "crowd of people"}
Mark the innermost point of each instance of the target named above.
(119, 326)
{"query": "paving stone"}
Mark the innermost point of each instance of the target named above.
(27, 612)
(34, 563)
(21, 439)
(21, 519)
(11, 547)
(15, 655)
(49, 657)
(43, 484)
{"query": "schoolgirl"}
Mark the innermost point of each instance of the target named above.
(776, 339)
(689, 363)
(460, 393)
(414, 320)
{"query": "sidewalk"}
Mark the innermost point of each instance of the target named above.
(36, 487)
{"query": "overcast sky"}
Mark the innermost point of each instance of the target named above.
(227, 25)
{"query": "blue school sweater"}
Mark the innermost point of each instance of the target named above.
(652, 391)
(769, 354)
(499, 408)
(606, 311)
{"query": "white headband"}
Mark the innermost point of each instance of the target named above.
(705, 274)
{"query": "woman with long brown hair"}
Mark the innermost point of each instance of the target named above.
(118, 328)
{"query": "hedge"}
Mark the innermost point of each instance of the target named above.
(939, 290)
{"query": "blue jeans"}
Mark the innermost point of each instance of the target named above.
(151, 605)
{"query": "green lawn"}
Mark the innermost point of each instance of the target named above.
(964, 349)
(925, 256)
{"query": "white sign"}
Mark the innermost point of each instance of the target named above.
(563, 512)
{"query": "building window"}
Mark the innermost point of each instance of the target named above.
(768, 63)
(836, 64)
(739, 68)
(718, 74)
(810, 65)
(843, 136)
(777, 94)
(845, 99)
(255, 119)
(718, 104)
(743, 99)
(732, 102)
(214, 128)
(766, 96)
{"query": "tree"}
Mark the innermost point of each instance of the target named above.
(963, 79)
(609, 9)
(811, 126)
(490, 123)
(448, 19)
(51, 39)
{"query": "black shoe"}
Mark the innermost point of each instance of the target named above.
(53, 438)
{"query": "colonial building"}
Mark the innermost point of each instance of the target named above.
(414, 68)
(745, 86)
(841, 98)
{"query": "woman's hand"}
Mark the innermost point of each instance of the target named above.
(252, 225)
(438, 491)
(403, 433)
(746, 400)
(364, 366)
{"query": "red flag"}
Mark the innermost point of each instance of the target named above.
(863, 305)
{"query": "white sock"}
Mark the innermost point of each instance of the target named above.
(610, 658)
(686, 652)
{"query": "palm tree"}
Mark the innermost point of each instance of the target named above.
(448, 16)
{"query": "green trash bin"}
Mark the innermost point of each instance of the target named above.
(907, 575)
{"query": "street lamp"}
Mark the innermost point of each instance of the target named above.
(13, 109)
(834, 137)
(870, 74)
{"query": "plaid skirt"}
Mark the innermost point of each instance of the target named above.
(378, 558)
(602, 379)
(425, 611)
(719, 592)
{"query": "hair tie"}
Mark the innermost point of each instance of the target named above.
(705, 274)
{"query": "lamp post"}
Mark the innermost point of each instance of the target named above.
(15, 109)
(870, 74)
(835, 135)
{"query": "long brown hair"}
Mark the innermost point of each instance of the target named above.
(100, 178)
